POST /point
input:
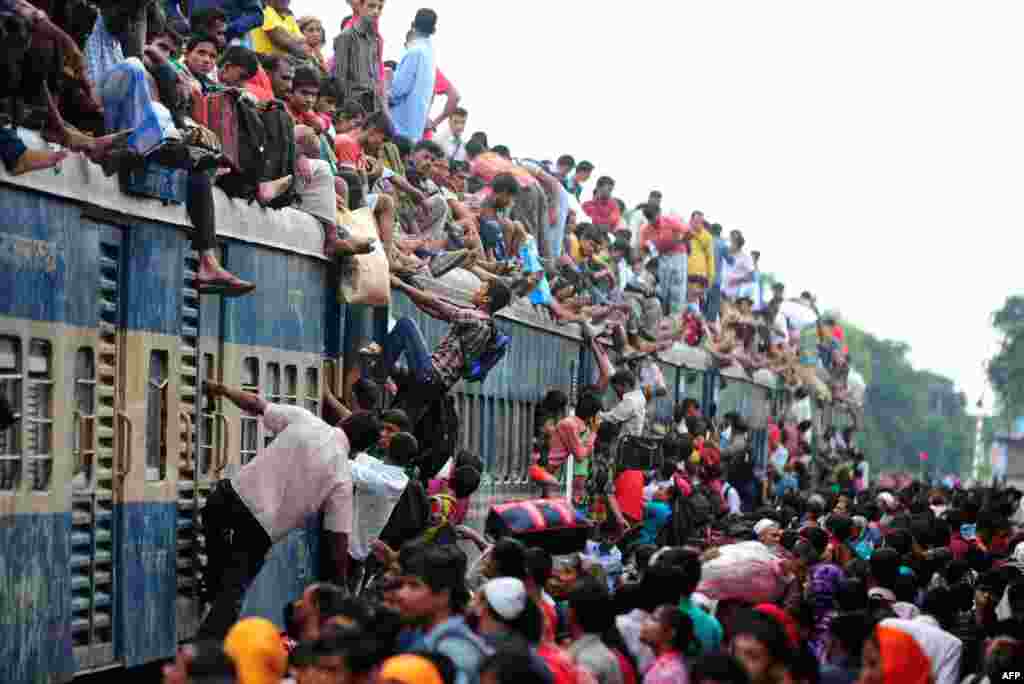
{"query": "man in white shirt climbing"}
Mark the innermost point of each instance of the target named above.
(303, 472)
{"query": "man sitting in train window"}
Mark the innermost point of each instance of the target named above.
(631, 411)
(303, 472)
(433, 374)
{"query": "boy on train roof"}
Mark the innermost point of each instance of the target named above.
(433, 374)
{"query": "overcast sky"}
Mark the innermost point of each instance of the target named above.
(871, 151)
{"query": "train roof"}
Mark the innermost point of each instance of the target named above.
(293, 231)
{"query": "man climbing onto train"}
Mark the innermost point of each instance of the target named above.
(468, 348)
(303, 472)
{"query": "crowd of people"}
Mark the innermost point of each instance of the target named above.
(709, 567)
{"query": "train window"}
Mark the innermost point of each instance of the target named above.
(291, 385)
(10, 389)
(39, 413)
(313, 390)
(250, 424)
(156, 417)
(273, 391)
(84, 418)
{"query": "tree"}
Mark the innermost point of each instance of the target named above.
(1006, 368)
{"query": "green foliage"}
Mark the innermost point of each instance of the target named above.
(908, 411)
(1006, 368)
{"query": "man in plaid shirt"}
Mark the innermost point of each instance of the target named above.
(434, 374)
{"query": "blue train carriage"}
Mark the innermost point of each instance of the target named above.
(497, 416)
(102, 345)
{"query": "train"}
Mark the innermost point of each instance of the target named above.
(104, 343)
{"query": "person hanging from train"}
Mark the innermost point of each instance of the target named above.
(470, 339)
(303, 472)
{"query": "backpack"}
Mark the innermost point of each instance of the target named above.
(264, 150)
(410, 517)
(477, 365)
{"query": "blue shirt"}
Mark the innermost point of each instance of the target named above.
(530, 259)
(721, 249)
(455, 640)
(412, 89)
(706, 627)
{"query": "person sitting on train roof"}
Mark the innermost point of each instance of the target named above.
(143, 96)
(304, 471)
(435, 373)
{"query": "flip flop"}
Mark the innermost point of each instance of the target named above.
(225, 288)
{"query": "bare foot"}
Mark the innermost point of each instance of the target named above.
(269, 191)
(335, 249)
(36, 160)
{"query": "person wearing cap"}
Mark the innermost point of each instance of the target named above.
(410, 669)
(259, 654)
(304, 471)
(942, 649)
(510, 620)
(412, 87)
(768, 532)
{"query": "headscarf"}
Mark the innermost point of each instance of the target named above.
(442, 506)
(259, 654)
(409, 669)
(903, 661)
(823, 586)
(784, 619)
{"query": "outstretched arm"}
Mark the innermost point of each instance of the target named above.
(424, 301)
(250, 403)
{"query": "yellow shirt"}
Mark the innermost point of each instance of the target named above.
(702, 255)
(574, 248)
(272, 20)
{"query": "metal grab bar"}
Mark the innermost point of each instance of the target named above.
(188, 436)
(124, 465)
(222, 461)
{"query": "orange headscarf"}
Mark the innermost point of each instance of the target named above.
(259, 654)
(409, 669)
(903, 661)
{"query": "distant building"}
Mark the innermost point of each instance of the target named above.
(1008, 455)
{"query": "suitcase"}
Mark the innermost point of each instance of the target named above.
(551, 524)
(638, 453)
(156, 181)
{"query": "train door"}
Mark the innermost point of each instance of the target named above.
(204, 453)
(97, 429)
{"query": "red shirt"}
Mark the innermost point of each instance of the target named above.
(260, 86)
(629, 493)
(666, 234)
(441, 87)
(603, 212)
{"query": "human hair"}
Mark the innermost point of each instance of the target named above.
(624, 379)
(514, 666)
(398, 418)
(589, 600)
(767, 630)
(205, 18)
(211, 665)
(173, 35)
(425, 22)
(662, 583)
(540, 565)
(307, 21)
(442, 568)
(429, 146)
(236, 55)
(474, 148)
(198, 39)
(505, 183)
(499, 295)
(605, 180)
(366, 393)
(555, 402)
(682, 627)
(584, 167)
(567, 160)
(380, 123)
(588, 406)
(717, 667)
(362, 430)
(352, 109)
(329, 600)
(464, 481)
(403, 449)
(509, 559)
(461, 111)
(738, 236)
(885, 566)
(502, 151)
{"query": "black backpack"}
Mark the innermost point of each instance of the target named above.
(266, 151)
(410, 517)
